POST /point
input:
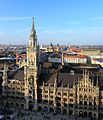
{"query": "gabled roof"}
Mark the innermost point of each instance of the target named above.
(65, 77)
(17, 74)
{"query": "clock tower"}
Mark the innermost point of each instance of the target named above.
(31, 70)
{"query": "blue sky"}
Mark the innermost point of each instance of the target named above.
(57, 21)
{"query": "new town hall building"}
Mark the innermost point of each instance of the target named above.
(50, 87)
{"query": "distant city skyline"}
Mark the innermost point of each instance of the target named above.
(76, 22)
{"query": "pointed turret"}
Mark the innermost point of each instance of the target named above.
(55, 83)
(33, 32)
(33, 28)
(97, 81)
(32, 36)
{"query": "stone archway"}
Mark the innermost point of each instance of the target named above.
(85, 114)
(22, 106)
(45, 109)
(81, 114)
(30, 105)
(17, 105)
(58, 110)
(12, 105)
(94, 115)
(90, 103)
(51, 109)
(7, 104)
(70, 112)
(64, 111)
(39, 108)
(100, 115)
(90, 114)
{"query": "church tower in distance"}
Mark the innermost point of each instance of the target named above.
(31, 71)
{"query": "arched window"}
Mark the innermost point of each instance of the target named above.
(80, 97)
(7, 104)
(70, 112)
(85, 114)
(39, 108)
(64, 111)
(94, 100)
(30, 104)
(90, 114)
(90, 103)
(31, 79)
(81, 102)
(85, 102)
(17, 105)
(80, 113)
(90, 98)
(45, 109)
(30, 97)
(58, 110)
(85, 97)
(12, 104)
(51, 110)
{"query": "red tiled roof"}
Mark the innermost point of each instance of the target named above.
(75, 56)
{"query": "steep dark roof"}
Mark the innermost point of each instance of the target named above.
(17, 74)
(81, 67)
(50, 65)
(64, 76)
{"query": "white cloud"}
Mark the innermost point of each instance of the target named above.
(15, 31)
(19, 31)
(14, 18)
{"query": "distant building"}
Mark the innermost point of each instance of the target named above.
(74, 50)
(43, 49)
(97, 61)
(90, 52)
(53, 48)
(68, 58)
(55, 58)
(73, 58)
(20, 56)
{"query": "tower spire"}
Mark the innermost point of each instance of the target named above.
(33, 28)
(33, 23)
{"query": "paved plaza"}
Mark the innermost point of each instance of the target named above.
(46, 116)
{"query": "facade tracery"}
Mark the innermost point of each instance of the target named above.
(64, 93)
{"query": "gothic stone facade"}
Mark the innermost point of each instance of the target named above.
(48, 88)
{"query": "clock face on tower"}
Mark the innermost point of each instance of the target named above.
(31, 57)
(31, 54)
